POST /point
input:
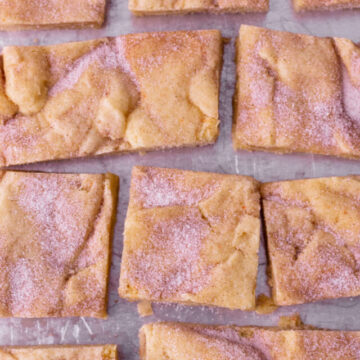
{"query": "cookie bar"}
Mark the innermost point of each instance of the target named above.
(55, 234)
(83, 352)
(173, 341)
(303, 5)
(24, 14)
(131, 93)
(313, 237)
(159, 7)
(297, 93)
(191, 238)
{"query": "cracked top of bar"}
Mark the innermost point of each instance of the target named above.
(55, 243)
(25, 14)
(173, 341)
(80, 352)
(313, 235)
(130, 93)
(156, 7)
(303, 5)
(297, 93)
(191, 238)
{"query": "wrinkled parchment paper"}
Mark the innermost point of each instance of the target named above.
(123, 323)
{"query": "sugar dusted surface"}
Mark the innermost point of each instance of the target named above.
(97, 352)
(296, 95)
(352, 93)
(123, 323)
(157, 189)
(190, 341)
(150, 7)
(110, 95)
(180, 239)
(176, 246)
(314, 250)
(306, 5)
(49, 240)
(228, 342)
(33, 13)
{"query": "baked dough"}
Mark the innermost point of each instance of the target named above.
(191, 238)
(25, 14)
(55, 234)
(130, 93)
(174, 341)
(313, 235)
(303, 5)
(160, 7)
(84, 352)
(297, 93)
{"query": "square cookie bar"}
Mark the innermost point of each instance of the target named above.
(24, 14)
(191, 238)
(174, 341)
(159, 7)
(303, 5)
(55, 232)
(134, 92)
(297, 93)
(313, 234)
(85, 352)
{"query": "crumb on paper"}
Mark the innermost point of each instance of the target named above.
(265, 305)
(145, 308)
(291, 322)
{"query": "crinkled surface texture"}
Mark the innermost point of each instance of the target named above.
(93, 352)
(132, 92)
(55, 244)
(22, 14)
(303, 5)
(191, 238)
(297, 93)
(313, 237)
(173, 341)
(124, 322)
(150, 7)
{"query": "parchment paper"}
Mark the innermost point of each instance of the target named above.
(123, 323)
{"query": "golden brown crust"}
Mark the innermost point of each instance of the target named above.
(304, 5)
(25, 14)
(312, 232)
(82, 352)
(296, 93)
(159, 7)
(191, 238)
(173, 341)
(130, 93)
(55, 232)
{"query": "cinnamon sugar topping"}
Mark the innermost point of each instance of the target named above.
(313, 232)
(154, 7)
(84, 352)
(296, 93)
(190, 341)
(109, 95)
(181, 244)
(157, 189)
(306, 5)
(24, 14)
(54, 241)
(175, 246)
